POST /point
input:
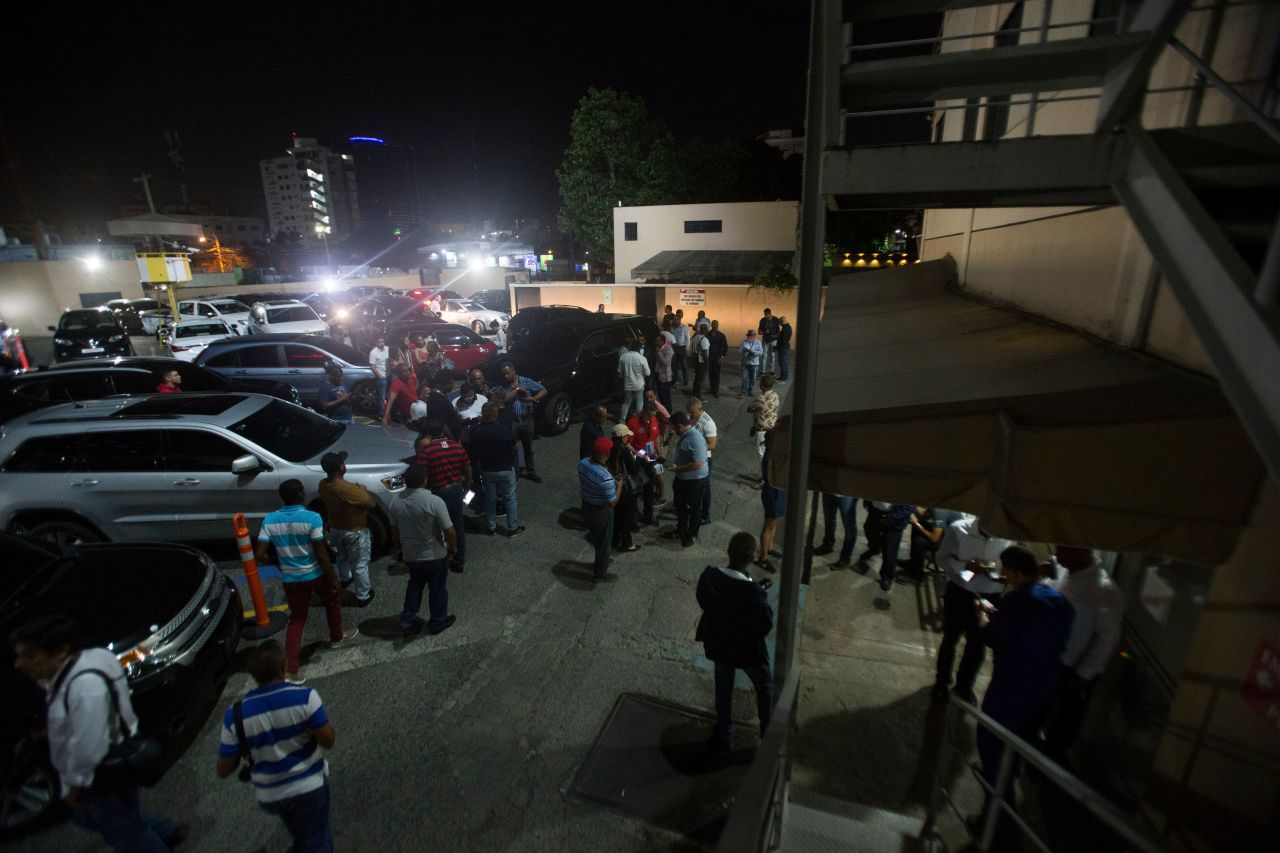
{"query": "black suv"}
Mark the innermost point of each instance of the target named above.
(526, 320)
(392, 317)
(576, 359)
(89, 333)
(91, 380)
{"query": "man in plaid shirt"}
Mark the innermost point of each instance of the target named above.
(448, 477)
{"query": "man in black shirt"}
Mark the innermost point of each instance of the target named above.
(784, 348)
(715, 356)
(494, 445)
(592, 428)
(769, 328)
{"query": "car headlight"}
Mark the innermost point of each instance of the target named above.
(393, 483)
(341, 313)
(62, 342)
(115, 339)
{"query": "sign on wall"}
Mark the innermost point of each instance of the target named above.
(607, 296)
(690, 296)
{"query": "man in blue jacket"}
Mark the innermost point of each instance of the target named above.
(736, 617)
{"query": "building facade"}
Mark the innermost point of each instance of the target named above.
(311, 192)
(388, 202)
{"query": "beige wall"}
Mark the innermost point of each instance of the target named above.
(33, 294)
(586, 296)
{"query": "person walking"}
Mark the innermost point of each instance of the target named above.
(624, 466)
(347, 505)
(749, 354)
(680, 347)
(784, 348)
(334, 400)
(379, 357)
(592, 428)
(600, 493)
(170, 382)
(699, 351)
(298, 536)
(495, 454)
(448, 470)
(690, 467)
(424, 532)
(716, 352)
(769, 328)
(519, 393)
(736, 618)
(89, 709)
(703, 423)
(663, 370)
(285, 733)
(634, 370)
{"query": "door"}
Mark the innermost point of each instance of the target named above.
(304, 370)
(203, 493)
(118, 479)
(257, 361)
(597, 377)
(649, 301)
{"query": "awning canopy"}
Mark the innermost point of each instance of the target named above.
(701, 265)
(147, 224)
(928, 397)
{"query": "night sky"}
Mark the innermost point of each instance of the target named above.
(482, 91)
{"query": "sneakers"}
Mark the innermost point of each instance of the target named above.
(365, 602)
(443, 626)
(347, 636)
(688, 543)
(511, 534)
(823, 550)
(885, 583)
(295, 678)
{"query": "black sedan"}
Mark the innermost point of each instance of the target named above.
(89, 333)
(172, 620)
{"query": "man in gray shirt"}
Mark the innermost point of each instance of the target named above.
(422, 530)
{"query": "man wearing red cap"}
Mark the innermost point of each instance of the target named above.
(599, 496)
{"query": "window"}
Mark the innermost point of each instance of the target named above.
(207, 311)
(292, 314)
(606, 342)
(90, 385)
(629, 230)
(296, 355)
(199, 330)
(267, 355)
(45, 454)
(119, 451)
(702, 226)
(226, 359)
(197, 450)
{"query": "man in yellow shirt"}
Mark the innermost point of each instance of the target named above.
(348, 506)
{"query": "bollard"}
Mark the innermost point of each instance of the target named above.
(22, 351)
(264, 622)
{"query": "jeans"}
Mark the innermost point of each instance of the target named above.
(354, 548)
(748, 378)
(500, 485)
(705, 515)
(713, 370)
(452, 497)
(688, 495)
(632, 401)
(382, 393)
(118, 817)
(960, 618)
(298, 594)
(769, 361)
(306, 816)
(848, 520)
(889, 545)
(434, 575)
(664, 395)
(679, 370)
(699, 376)
(761, 679)
(524, 431)
(782, 364)
(600, 526)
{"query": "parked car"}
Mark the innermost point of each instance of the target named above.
(154, 320)
(393, 317)
(495, 300)
(576, 360)
(171, 618)
(528, 319)
(297, 359)
(89, 333)
(273, 317)
(333, 307)
(467, 313)
(129, 312)
(188, 338)
(97, 378)
(463, 346)
(234, 312)
(178, 466)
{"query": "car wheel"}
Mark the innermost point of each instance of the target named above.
(477, 327)
(557, 414)
(29, 801)
(379, 538)
(65, 532)
(366, 397)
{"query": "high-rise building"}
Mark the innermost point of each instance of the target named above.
(389, 205)
(311, 191)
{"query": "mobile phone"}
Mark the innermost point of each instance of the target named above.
(466, 499)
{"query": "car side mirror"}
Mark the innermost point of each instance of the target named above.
(246, 464)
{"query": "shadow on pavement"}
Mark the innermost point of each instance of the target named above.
(575, 574)
(571, 519)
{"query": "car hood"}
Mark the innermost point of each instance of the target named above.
(370, 450)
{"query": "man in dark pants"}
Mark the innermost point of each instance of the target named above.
(969, 555)
(736, 618)
(600, 494)
(892, 524)
(592, 428)
(448, 470)
(784, 348)
(715, 356)
(519, 394)
(691, 471)
(422, 529)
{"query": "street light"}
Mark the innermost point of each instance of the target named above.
(93, 262)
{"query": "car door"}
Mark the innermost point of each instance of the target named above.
(254, 361)
(118, 482)
(597, 377)
(203, 492)
(304, 369)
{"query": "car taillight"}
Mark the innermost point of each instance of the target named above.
(177, 348)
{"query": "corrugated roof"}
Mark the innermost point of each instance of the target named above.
(696, 265)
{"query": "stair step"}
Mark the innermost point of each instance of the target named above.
(814, 823)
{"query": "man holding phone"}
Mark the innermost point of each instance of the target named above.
(519, 394)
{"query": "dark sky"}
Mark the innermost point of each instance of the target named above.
(483, 84)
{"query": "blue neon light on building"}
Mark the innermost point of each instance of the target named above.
(375, 140)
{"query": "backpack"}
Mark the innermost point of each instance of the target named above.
(136, 760)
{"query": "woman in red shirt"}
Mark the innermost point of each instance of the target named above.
(400, 396)
(646, 435)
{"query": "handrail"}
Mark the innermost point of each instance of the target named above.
(1230, 92)
(1102, 809)
(757, 797)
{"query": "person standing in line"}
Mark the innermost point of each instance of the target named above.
(600, 494)
(298, 536)
(663, 370)
(668, 316)
(690, 468)
(736, 618)
(749, 353)
(784, 348)
(846, 507)
(499, 336)
(646, 441)
(680, 347)
(624, 466)
(893, 522)
(434, 404)
(379, 357)
(703, 423)
(769, 328)
(495, 454)
(423, 531)
(634, 370)
(401, 396)
(89, 709)
(702, 324)
(468, 405)
(926, 536)
(969, 555)
(519, 393)
(764, 410)
(348, 505)
(335, 399)
(448, 471)
(592, 428)
(699, 351)
(170, 382)
(285, 732)
(716, 352)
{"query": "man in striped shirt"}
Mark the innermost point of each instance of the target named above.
(449, 478)
(284, 732)
(519, 393)
(298, 536)
(599, 496)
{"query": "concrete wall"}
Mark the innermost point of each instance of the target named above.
(756, 225)
(33, 294)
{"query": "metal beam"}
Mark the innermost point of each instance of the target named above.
(1122, 90)
(1215, 288)
(877, 10)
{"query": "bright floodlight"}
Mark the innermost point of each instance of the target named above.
(93, 262)
(330, 283)
(477, 263)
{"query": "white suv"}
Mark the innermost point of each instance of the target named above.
(233, 312)
(189, 337)
(294, 316)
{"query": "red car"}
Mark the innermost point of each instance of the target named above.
(464, 347)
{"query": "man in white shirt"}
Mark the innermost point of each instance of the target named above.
(378, 358)
(971, 558)
(703, 423)
(83, 721)
(699, 351)
(1095, 634)
(634, 370)
(499, 336)
(679, 366)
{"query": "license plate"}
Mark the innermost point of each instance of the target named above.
(93, 349)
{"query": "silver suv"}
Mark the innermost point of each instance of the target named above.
(178, 466)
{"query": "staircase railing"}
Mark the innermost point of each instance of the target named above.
(1016, 751)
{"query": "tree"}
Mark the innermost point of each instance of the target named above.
(775, 278)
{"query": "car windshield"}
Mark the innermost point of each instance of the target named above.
(291, 314)
(288, 431)
(229, 306)
(76, 321)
